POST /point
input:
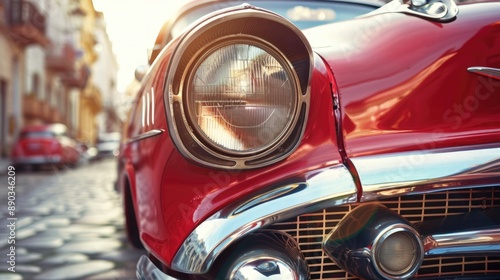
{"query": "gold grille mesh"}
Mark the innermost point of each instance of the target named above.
(310, 229)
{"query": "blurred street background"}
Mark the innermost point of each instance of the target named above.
(69, 62)
(72, 62)
(70, 225)
(58, 66)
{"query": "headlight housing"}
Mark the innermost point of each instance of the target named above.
(237, 91)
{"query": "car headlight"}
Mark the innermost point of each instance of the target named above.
(241, 98)
(237, 93)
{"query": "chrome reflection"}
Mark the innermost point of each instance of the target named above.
(321, 189)
(360, 244)
(145, 135)
(427, 171)
(146, 270)
(270, 255)
(475, 242)
(265, 268)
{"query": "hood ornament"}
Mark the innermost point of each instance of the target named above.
(436, 10)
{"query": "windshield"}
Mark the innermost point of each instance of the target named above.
(304, 14)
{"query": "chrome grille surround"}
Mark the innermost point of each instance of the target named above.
(310, 229)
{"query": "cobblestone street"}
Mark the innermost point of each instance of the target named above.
(69, 225)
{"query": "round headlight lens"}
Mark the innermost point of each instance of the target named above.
(398, 253)
(241, 98)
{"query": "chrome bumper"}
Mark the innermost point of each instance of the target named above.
(146, 270)
(334, 186)
(320, 189)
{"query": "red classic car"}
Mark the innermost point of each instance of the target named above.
(45, 144)
(367, 148)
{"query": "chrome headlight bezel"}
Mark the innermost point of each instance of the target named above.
(239, 25)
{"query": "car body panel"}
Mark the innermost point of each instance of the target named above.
(183, 206)
(408, 101)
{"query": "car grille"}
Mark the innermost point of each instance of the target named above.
(310, 229)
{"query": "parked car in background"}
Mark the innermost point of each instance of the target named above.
(88, 151)
(43, 145)
(367, 148)
(108, 144)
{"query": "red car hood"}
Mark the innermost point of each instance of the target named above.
(386, 65)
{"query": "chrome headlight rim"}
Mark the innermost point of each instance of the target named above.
(244, 21)
(188, 116)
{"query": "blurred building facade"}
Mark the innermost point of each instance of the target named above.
(105, 74)
(50, 52)
(91, 96)
(8, 53)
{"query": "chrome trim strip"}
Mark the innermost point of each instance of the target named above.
(145, 135)
(321, 189)
(153, 112)
(489, 72)
(146, 270)
(463, 243)
(427, 171)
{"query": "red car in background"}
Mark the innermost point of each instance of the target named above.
(46, 144)
(368, 148)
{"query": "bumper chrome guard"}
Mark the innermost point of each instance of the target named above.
(321, 189)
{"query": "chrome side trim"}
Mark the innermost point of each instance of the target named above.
(493, 73)
(146, 270)
(427, 171)
(145, 135)
(463, 243)
(321, 189)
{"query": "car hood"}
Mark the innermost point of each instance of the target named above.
(384, 66)
(376, 46)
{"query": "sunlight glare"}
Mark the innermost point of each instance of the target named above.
(132, 26)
